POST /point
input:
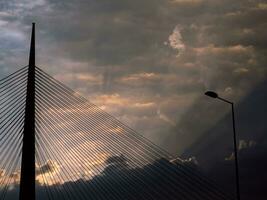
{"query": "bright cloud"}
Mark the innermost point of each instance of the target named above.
(175, 41)
(242, 145)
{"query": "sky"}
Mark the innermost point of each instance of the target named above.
(148, 63)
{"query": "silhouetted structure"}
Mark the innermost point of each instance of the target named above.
(27, 181)
(81, 151)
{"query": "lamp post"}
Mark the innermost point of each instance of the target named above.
(215, 95)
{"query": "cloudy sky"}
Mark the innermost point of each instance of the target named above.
(149, 62)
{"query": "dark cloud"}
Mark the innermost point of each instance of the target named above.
(118, 53)
(159, 180)
(49, 167)
(252, 165)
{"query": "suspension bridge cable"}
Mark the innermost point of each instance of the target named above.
(66, 175)
(11, 76)
(18, 117)
(15, 85)
(61, 115)
(11, 175)
(83, 100)
(10, 83)
(54, 184)
(9, 142)
(11, 167)
(50, 152)
(58, 144)
(12, 153)
(54, 145)
(47, 190)
(187, 169)
(67, 189)
(64, 121)
(10, 111)
(13, 99)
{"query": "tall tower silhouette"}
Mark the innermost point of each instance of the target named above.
(81, 151)
(27, 181)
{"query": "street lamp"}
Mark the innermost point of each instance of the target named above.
(215, 95)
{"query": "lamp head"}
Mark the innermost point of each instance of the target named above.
(211, 94)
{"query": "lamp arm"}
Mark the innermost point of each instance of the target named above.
(225, 100)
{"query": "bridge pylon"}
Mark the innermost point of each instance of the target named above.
(27, 180)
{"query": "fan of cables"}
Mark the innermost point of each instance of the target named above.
(82, 152)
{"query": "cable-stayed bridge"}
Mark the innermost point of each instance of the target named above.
(55, 144)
